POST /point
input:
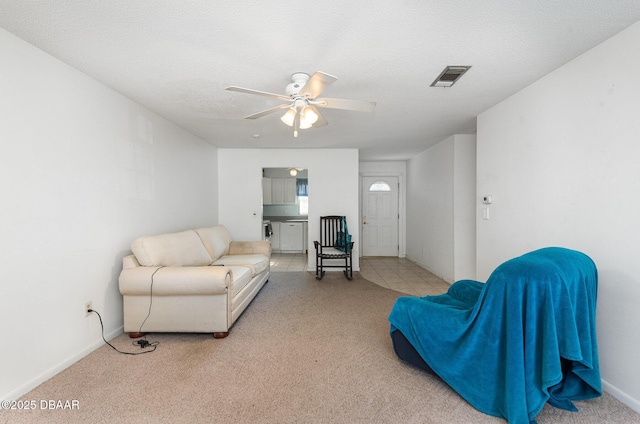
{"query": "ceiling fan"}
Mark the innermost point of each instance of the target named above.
(302, 101)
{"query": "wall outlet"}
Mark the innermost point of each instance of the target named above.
(87, 306)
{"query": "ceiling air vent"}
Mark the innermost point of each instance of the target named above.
(449, 76)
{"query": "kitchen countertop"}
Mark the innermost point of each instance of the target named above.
(286, 218)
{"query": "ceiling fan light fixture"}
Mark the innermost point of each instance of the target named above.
(304, 125)
(293, 172)
(288, 117)
(308, 116)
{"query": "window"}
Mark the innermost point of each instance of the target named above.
(302, 190)
(379, 186)
(303, 205)
(302, 187)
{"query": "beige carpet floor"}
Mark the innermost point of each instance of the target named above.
(303, 352)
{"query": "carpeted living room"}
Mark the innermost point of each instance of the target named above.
(304, 351)
(484, 157)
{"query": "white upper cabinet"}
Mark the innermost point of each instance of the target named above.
(282, 191)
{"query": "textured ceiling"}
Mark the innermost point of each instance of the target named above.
(176, 58)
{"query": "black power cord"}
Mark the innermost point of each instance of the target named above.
(150, 302)
(142, 343)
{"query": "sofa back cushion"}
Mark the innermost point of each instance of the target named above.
(216, 240)
(172, 249)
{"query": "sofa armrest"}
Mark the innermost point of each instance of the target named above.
(250, 247)
(130, 261)
(171, 281)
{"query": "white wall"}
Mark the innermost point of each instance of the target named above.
(464, 209)
(395, 169)
(561, 160)
(83, 172)
(333, 189)
(441, 208)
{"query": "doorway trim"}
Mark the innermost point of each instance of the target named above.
(402, 202)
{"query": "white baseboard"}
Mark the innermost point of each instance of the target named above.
(30, 385)
(621, 396)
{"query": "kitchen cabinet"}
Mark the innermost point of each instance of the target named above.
(291, 237)
(290, 191)
(266, 191)
(283, 191)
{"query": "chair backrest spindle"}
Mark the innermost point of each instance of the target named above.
(330, 226)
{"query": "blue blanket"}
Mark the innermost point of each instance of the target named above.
(525, 337)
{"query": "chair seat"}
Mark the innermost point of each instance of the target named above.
(332, 252)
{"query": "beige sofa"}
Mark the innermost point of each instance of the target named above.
(196, 281)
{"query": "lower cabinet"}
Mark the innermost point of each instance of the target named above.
(291, 236)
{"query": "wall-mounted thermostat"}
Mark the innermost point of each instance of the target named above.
(487, 199)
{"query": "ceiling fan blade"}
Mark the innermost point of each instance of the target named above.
(258, 92)
(267, 112)
(316, 84)
(357, 105)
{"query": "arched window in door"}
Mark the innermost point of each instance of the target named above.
(379, 186)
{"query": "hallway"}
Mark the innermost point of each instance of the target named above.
(389, 272)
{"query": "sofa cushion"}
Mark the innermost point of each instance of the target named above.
(240, 277)
(172, 249)
(216, 240)
(256, 262)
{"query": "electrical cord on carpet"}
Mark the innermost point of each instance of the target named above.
(142, 343)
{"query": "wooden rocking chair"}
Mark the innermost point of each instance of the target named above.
(335, 245)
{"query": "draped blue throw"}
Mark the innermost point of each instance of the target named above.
(302, 186)
(525, 337)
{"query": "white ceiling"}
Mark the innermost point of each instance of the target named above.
(176, 58)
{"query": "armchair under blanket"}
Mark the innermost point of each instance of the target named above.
(525, 338)
(334, 249)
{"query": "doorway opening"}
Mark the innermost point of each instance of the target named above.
(285, 208)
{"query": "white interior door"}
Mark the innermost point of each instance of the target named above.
(380, 216)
